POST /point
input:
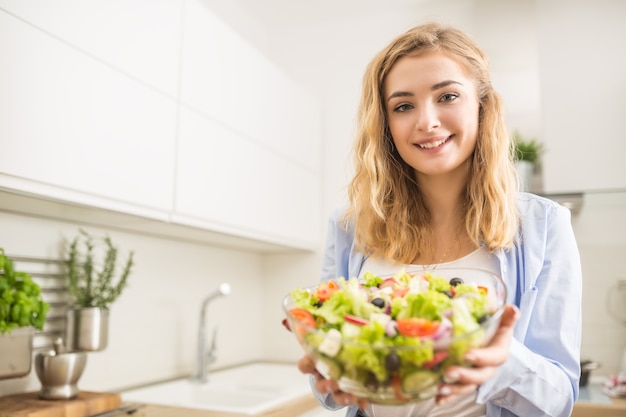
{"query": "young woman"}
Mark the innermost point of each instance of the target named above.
(435, 186)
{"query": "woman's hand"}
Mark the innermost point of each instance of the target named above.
(306, 365)
(485, 361)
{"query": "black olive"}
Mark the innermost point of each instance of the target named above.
(319, 304)
(392, 362)
(456, 281)
(378, 302)
(371, 382)
(483, 318)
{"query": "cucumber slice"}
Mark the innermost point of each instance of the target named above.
(329, 367)
(417, 381)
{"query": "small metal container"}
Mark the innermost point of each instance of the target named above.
(59, 373)
(87, 329)
(16, 352)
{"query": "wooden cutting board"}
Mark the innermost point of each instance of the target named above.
(84, 405)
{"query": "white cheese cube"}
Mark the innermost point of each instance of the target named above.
(331, 344)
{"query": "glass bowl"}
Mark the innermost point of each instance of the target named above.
(390, 339)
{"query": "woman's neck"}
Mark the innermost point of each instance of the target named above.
(444, 198)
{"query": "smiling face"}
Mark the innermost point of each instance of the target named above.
(432, 110)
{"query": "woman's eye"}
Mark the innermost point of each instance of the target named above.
(402, 108)
(449, 97)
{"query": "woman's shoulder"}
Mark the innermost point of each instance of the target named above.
(541, 216)
(535, 205)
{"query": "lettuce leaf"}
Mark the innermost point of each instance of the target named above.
(429, 304)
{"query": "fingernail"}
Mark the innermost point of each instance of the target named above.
(445, 390)
(470, 357)
(451, 377)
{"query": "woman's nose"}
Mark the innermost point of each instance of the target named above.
(427, 118)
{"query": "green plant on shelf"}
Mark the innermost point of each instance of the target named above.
(21, 304)
(90, 284)
(527, 149)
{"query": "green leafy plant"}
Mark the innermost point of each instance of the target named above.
(92, 284)
(527, 149)
(20, 298)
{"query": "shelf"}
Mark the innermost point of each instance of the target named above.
(20, 204)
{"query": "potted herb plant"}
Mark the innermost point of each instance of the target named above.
(95, 282)
(22, 310)
(527, 154)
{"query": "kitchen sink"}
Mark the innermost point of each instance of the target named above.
(247, 389)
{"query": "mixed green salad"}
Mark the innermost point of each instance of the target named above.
(397, 333)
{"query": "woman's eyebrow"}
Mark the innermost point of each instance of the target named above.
(435, 87)
(400, 94)
(444, 84)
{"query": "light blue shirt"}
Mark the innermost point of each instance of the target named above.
(544, 279)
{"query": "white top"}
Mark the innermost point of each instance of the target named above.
(464, 406)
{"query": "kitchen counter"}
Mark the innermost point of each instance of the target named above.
(592, 402)
(290, 409)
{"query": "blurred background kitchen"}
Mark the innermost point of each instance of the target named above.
(213, 137)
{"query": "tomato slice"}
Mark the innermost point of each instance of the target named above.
(438, 357)
(325, 290)
(417, 327)
(303, 316)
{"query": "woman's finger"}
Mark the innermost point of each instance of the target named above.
(497, 351)
(448, 392)
(306, 365)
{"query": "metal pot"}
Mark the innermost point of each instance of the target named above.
(87, 329)
(586, 367)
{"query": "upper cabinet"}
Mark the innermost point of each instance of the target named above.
(227, 80)
(140, 38)
(227, 182)
(249, 138)
(156, 109)
(582, 67)
(75, 129)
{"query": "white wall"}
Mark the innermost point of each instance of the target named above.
(154, 323)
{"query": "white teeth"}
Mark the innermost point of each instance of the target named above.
(431, 145)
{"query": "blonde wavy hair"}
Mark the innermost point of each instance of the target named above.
(386, 206)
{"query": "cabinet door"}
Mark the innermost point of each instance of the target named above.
(228, 183)
(74, 129)
(230, 81)
(139, 37)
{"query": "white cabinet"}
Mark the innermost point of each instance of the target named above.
(228, 80)
(139, 37)
(74, 129)
(205, 133)
(582, 67)
(229, 183)
(250, 139)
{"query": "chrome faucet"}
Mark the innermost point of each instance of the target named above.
(204, 357)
